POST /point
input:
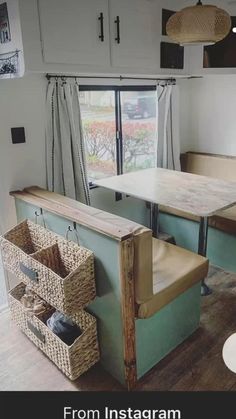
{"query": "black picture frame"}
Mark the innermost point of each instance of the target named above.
(172, 56)
(5, 34)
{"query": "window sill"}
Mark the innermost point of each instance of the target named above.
(92, 186)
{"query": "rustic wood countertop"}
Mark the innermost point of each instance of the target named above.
(194, 194)
(103, 222)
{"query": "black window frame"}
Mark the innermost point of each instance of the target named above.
(118, 117)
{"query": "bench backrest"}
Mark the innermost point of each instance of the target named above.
(213, 165)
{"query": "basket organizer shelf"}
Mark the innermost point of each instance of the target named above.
(62, 273)
(9, 63)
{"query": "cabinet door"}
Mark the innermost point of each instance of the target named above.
(71, 31)
(139, 27)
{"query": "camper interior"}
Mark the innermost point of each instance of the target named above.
(117, 195)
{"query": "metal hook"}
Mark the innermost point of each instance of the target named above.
(74, 230)
(38, 214)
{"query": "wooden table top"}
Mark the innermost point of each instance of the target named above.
(199, 195)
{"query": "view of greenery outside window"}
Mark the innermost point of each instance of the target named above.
(99, 128)
(99, 110)
(138, 130)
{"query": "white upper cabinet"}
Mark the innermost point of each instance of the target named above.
(75, 31)
(94, 36)
(107, 33)
(134, 33)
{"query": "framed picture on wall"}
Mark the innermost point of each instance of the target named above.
(172, 56)
(5, 35)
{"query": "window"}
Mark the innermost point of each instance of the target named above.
(119, 125)
(138, 111)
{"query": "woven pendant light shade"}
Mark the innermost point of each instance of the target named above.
(203, 24)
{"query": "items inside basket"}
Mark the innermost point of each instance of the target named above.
(64, 327)
(35, 305)
(61, 325)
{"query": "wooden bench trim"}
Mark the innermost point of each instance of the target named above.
(128, 311)
(74, 212)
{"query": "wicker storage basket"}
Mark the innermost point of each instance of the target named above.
(72, 360)
(24, 239)
(62, 274)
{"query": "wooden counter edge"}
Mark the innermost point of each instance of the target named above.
(75, 215)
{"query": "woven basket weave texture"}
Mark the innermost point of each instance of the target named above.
(64, 271)
(72, 360)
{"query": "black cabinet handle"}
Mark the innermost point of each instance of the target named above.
(117, 21)
(101, 19)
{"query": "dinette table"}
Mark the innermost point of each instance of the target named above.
(201, 196)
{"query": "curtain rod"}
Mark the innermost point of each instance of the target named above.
(170, 79)
(108, 77)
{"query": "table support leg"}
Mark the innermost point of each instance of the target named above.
(202, 250)
(154, 219)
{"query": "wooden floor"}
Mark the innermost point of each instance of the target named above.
(195, 365)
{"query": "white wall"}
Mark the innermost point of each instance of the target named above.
(21, 105)
(184, 114)
(208, 115)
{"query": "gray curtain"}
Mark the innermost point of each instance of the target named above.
(168, 147)
(65, 154)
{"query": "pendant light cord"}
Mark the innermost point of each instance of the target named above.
(199, 3)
